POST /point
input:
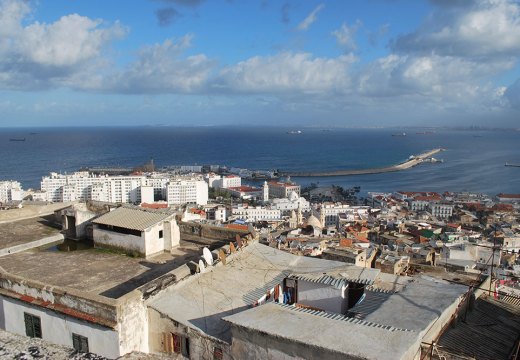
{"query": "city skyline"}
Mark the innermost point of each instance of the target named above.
(292, 63)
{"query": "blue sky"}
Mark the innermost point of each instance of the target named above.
(259, 62)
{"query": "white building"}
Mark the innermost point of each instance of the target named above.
(213, 180)
(229, 181)
(145, 232)
(282, 189)
(216, 212)
(187, 191)
(292, 203)
(330, 212)
(258, 213)
(10, 191)
(441, 210)
(83, 186)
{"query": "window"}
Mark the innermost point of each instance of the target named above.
(33, 326)
(217, 353)
(174, 343)
(80, 343)
(160, 234)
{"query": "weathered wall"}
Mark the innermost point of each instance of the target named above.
(115, 240)
(101, 308)
(201, 347)
(132, 324)
(58, 328)
(321, 296)
(209, 231)
(255, 345)
(153, 244)
(33, 244)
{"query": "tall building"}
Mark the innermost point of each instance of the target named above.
(282, 189)
(10, 191)
(187, 191)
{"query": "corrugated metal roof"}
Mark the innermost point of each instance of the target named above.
(334, 316)
(131, 218)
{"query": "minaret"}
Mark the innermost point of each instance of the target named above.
(322, 216)
(266, 191)
(299, 216)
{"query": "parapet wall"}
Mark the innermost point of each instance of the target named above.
(210, 231)
(83, 306)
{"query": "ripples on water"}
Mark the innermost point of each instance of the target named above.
(474, 161)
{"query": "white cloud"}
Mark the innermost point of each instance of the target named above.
(41, 55)
(485, 28)
(162, 68)
(345, 35)
(286, 73)
(311, 18)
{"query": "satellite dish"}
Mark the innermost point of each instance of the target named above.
(232, 247)
(202, 268)
(222, 256)
(208, 257)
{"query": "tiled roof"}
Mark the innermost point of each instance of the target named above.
(132, 218)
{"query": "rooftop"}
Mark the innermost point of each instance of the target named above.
(24, 231)
(200, 301)
(132, 218)
(489, 331)
(320, 329)
(95, 271)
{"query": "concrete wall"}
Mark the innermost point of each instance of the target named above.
(33, 244)
(201, 346)
(321, 296)
(210, 232)
(119, 241)
(58, 328)
(249, 344)
(153, 244)
(132, 324)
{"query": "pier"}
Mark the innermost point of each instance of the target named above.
(416, 160)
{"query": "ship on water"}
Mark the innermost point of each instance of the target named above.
(512, 165)
(294, 132)
(17, 139)
(399, 134)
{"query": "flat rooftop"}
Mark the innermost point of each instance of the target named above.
(24, 231)
(95, 271)
(318, 329)
(201, 301)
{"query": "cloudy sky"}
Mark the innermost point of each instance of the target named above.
(287, 62)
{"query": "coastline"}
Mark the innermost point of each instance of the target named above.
(398, 167)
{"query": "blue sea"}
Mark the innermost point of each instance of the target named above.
(473, 160)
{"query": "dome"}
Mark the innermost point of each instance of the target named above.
(314, 222)
(293, 197)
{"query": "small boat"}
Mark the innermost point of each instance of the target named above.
(294, 132)
(512, 165)
(17, 139)
(399, 134)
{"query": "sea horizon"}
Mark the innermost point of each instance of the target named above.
(473, 161)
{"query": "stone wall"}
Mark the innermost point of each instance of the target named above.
(210, 231)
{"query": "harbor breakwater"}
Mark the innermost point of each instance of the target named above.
(413, 161)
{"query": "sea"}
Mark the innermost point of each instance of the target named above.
(473, 160)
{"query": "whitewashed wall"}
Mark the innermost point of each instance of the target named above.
(123, 241)
(322, 296)
(58, 328)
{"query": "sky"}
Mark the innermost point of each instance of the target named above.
(358, 63)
